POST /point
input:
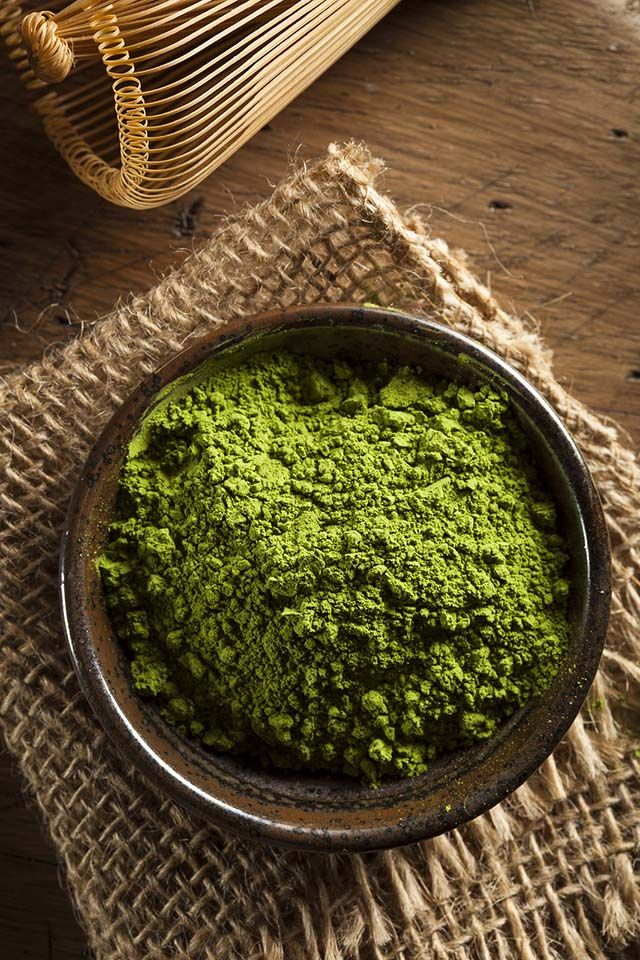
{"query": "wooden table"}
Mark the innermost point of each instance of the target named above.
(512, 126)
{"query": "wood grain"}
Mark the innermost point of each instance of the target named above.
(512, 126)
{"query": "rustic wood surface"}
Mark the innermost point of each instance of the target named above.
(511, 125)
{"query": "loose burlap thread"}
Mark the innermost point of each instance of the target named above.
(547, 874)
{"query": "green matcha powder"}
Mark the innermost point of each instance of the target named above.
(336, 567)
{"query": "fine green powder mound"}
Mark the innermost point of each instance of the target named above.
(336, 567)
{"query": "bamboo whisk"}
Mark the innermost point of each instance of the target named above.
(155, 94)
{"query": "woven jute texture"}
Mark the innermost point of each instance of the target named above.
(548, 874)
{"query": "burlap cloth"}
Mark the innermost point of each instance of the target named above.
(549, 873)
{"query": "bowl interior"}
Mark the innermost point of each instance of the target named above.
(319, 811)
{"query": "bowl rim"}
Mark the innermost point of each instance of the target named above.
(131, 742)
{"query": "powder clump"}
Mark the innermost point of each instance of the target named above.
(336, 567)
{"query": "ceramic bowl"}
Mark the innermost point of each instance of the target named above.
(318, 812)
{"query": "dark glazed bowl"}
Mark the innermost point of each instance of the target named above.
(320, 812)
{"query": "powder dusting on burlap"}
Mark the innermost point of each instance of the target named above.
(548, 874)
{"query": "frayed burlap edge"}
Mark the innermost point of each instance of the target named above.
(548, 874)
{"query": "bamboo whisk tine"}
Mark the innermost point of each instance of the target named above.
(49, 54)
(151, 96)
